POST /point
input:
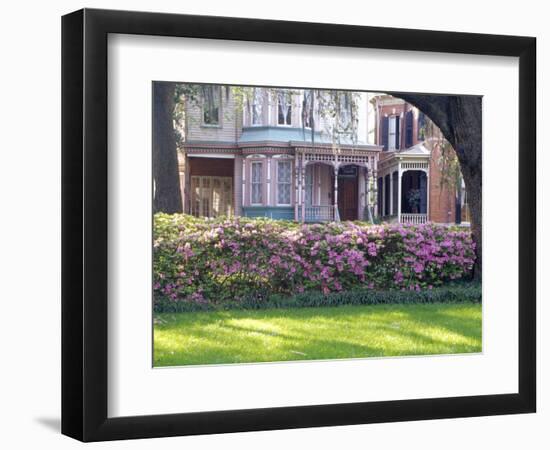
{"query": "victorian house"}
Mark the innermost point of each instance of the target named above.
(411, 184)
(275, 153)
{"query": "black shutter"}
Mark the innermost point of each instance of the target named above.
(409, 129)
(397, 134)
(385, 133)
(379, 199)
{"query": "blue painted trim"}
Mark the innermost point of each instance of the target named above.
(282, 134)
(272, 212)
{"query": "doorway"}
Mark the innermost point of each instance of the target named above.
(348, 192)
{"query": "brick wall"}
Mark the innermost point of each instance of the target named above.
(442, 197)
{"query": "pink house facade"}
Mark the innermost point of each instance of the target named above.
(258, 158)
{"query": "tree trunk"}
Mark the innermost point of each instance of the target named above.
(167, 193)
(459, 119)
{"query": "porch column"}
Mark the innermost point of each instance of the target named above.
(399, 175)
(186, 194)
(238, 187)
(375, 190)
(268, 181)
(367, 193)
(296, 185)
(391, 194)
(383, 196)
(361, 193)
(303, 190)
(428, 195)
(336, 213)
(243, 197)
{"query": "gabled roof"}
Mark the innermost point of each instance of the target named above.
(415, 150)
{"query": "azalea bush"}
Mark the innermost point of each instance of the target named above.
(248, 261)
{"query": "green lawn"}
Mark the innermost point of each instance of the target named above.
(240, 336)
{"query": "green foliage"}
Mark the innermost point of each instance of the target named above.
(286, 334)
(208, 263)
(454, 293)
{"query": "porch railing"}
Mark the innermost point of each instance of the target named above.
(414, 219)
(320, 213)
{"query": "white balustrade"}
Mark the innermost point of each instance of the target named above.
(414, 219)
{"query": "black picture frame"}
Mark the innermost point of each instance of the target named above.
(84, 224)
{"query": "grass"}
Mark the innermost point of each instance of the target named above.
(242, 336)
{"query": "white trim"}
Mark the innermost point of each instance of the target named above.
(392, 119)
(243, 176)
(268, 182)
(211, 155)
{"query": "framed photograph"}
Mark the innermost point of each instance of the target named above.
(273, 225)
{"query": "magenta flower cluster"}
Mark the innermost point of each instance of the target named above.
(208, 261)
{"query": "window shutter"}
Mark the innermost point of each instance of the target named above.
(409, 129)
(385, 122)
(397, 132)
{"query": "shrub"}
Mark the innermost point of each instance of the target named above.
(237, 261)
(453, 293)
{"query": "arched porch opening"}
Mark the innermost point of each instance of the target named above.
(414, 196)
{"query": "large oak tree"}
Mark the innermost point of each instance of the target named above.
(459, 119)
(167, 193)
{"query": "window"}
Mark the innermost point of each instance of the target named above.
(257, 104)
(256, 197)
(283, 182)
(345, 110)
(307, 113)
(393, 133)
(211, 196)
(211, 105)
(284, 109)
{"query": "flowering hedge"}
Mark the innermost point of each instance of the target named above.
(206, 262)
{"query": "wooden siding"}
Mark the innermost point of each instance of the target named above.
(230, 126)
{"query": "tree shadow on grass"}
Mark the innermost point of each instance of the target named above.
(398, 331)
